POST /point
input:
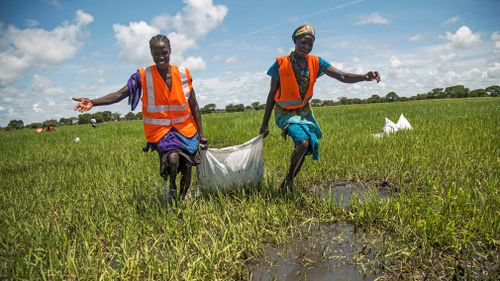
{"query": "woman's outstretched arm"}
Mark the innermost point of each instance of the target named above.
(351, 77)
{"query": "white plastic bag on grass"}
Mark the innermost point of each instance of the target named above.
(389, 126)
(235, 166)
(403, 123)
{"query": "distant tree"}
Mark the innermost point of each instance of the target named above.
(420, 97)
(130, 116)
(235, 107)
(328, 103)
(478, 93)
(373, 99)
(261, 106)
(107, 116)
(458, 91)
(50, 122)
(74, 120)
(209, 108)
(316, 102)
(115, 116)
(138, 116)
(15, 125)
(493, 91)
(84, 118)
(344, 100)
(437, 93)
(98, 116)
(391, 97)
(255, 105)
(34, 125)
(355, 101)
(65, 121)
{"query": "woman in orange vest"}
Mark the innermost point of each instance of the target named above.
(292, 85)
(171, 115)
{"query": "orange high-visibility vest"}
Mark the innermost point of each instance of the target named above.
(163, 109)
(288, 95)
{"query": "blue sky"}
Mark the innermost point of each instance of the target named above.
(52, 50)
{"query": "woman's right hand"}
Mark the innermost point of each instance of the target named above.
(264, 131)
(84, 104)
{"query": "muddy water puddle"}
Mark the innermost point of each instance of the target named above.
(326, 251)
(329, 251)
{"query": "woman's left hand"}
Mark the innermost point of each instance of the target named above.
(203, 142)
(372, 75)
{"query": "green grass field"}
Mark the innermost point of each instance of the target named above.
(90, 211)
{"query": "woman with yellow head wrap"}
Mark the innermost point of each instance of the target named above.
(292, 83)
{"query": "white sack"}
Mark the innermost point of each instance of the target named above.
(403, 123)
(389, 126)
(235, 166)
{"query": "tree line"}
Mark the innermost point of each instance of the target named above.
(458, 91)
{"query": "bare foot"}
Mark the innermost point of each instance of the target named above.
(287, 186)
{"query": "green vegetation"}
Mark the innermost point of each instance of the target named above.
(90, 211)
(457, 91)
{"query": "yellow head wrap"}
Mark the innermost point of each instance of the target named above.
(305, 29)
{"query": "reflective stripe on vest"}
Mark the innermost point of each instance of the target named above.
(151, 93)
(282, 104)
(184, 81)
(166, 122)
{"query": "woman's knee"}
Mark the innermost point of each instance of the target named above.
(302, 146)
(173, 159)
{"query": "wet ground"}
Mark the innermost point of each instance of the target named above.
(325, 251)
(330, 252)
(343, 192)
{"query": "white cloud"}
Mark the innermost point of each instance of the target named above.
(395, 62)
(195, 63)
(199, 17)
(447, 57)
(494, 71)
(45, 87)
(24, 48)
(230, 60)
(180, 43)
(451, 20)
(11, 66)
(416, 37)
(84, 18)
(160, 21)
(183, 29)
(374, 18)
(128, 38)
(463, 38)
(37, 108)
(244, 88)
(43, 100)
(495, 36)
